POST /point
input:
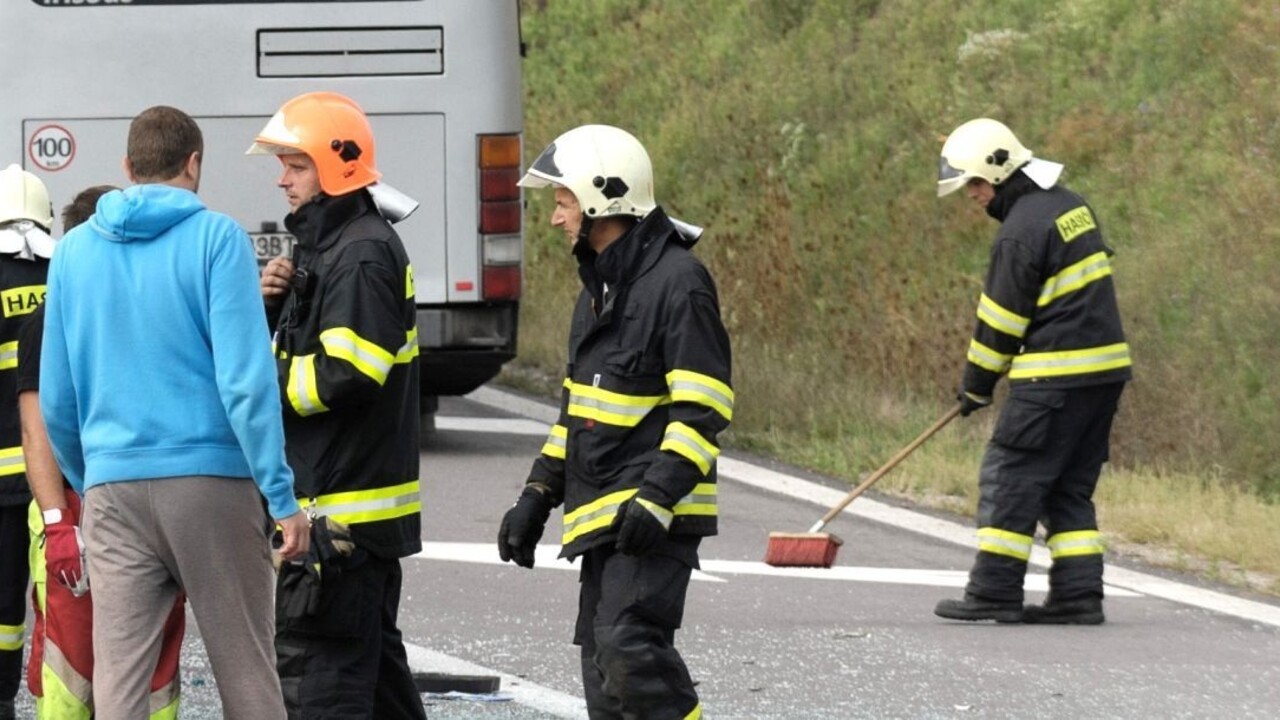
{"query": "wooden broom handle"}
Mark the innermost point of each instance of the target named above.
(893, 461)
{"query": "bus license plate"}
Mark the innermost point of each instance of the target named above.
(269, 245)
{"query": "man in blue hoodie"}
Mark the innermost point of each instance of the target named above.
(159, 394)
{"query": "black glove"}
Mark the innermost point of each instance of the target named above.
(523, 524)
(301, 581)
(642, 525)
(299, 592)
(970, 402)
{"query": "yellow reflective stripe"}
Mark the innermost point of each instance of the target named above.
(364, 506)
(689, 386)
(63, 698)
(1071, 362)
(1002, 320)
(1003, 542)
(345, 344)
(985, 357)
(409, 350)
(1073, 224)
(1074, 277)
(408, 281)
(594, 515)
(611, 408)
(556, 442)
(303, 394)
(1076, 543)
(695, 713)
(689, 444)
(12, 461)
(702, 501)
(662, 514)
(599, 513)
(11, 636)
(9, 355)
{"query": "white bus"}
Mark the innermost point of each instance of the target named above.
(440, 80)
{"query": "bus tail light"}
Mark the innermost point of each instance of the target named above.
(500, 216)
(501, 273)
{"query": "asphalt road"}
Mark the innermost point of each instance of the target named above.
(855, 641)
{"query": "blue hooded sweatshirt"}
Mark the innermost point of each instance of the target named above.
(157, 360)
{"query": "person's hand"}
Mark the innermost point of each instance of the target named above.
(969, 402)
(642, 524)
(274, 282)
(296, 536)
(64, 553)
(522, 526)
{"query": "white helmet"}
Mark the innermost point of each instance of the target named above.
(981, 148)
(24, 197)
(605, 168)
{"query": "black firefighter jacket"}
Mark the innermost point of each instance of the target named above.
(1048, 312)
(646, 392)
(347, 351)
(22, 287)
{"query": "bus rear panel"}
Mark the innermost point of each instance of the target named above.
(439, 79)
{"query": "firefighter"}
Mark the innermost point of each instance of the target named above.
(346, 341)
(60, 666)
(633, 455)
(26, 217)
(1048, 319)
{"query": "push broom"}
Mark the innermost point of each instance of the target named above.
(818, 549)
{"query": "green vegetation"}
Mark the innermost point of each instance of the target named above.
(805, 133)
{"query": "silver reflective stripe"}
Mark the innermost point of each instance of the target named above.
(11, 636)
(1094, 267)
(674, 436)
(12, 461)
(1000, 318)
(609, 511)
(607, 412)
(985, 357)
(361, 507)
(1003, 542)
(1071, 361)
(375, 362)
(1073, 544)
(9, 355)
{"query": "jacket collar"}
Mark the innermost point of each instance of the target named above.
(317, 224)
(1007, 193)
(631, 255)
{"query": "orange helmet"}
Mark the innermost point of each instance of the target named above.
(329, 128)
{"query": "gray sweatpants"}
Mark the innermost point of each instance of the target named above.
(145, 540)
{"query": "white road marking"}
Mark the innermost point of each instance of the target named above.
(522, 691)
(794, 487)
(545, 556)
(505, 426)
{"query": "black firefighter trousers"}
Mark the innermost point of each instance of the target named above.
(628, 613)
(14, 574)
(1042, 464)
(347, 661)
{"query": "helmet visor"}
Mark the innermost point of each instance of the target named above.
(950, 179)
(544, 170)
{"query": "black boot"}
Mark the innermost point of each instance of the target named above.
(1087, 611)
(6, 710)
(976, 608)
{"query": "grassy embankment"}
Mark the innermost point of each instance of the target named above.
(805, 134)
